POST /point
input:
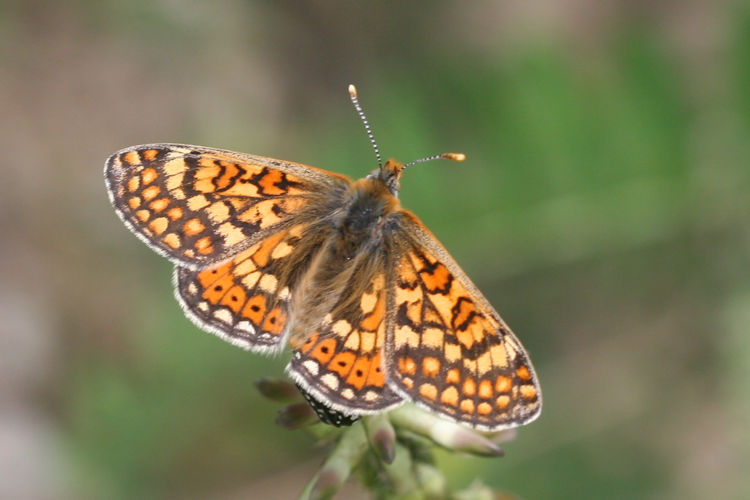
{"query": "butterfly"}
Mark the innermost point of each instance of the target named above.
(270, 253)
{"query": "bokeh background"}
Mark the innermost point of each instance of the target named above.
(603, 210)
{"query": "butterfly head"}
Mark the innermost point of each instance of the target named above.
(390, 172)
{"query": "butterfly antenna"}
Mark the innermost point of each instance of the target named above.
(355, 101)
(444, 156)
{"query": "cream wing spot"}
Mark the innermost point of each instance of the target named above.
(352, 341)
(174, 167)
(197, 202)
(175, 183)
(245, 326)
(311, 366)
(268, 283)
(406, 336)
(223, 315)
(342, 328)
(367, 341)
(251, 279)
(368, 302)
(218, 212)
(232, 234)
(282, 250)
(453, 352)
(331, 381)
(499, 356)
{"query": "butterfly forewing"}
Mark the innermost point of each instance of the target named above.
(199, 206)
(449, 351)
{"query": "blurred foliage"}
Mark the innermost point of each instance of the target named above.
(602, 209)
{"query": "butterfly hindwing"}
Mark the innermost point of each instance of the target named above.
(247, 299)
(449, 350)
(341, 364)
(198, 206)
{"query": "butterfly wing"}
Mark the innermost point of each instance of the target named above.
(247, 300)
(199, 206)
(240, 228)
(342, 363)
(448, 350)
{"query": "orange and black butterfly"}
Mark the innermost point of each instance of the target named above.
(270, 252)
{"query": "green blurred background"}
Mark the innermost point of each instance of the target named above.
(603, 210)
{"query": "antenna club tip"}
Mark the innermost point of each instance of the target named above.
(352, 90)
(454, 156)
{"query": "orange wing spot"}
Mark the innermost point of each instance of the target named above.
(407, 365)
(262, 256)
(523, 373)
(175, 213)
(376, 377)
(230, 171)
(268, 182)
(503, 384)
(217, 290)
(159, 205)
(408, 382)
(502, 402)
(309, 343)
(453, 376)
(484, 408)
(133, 184)
(359, 373)
(204, 245)
(255, 309)
(211, 275)
(151, 192)
(275, 321)
(192, 227)
(148, 175)
(342, 363)
(172, 240)
(464, 314)
(159, 225)
(143, 215)
(450, 396)
(436, 280)
(430, 366)
(428, 391)
(134, 202)
(485, 389)
(234, 298)
(528, 392)
(467, 406)
(131, 158)
(324, 351)
(470, 387)
(149, 154)
(466, 338)
(372, 321)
